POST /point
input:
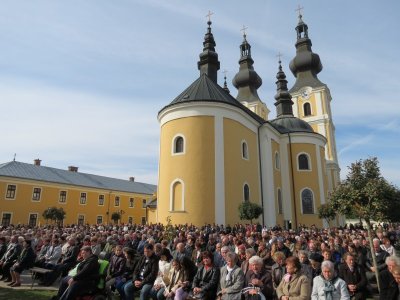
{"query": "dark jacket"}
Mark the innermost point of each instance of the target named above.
(277, 273)
(380, 260)
(71, 255)
(388, 285)
(26, 258)
(117, 265)
(12, 253)
(149, 265)
(208, 281)
(266, 278)
(356, 277)
(3, 249)
(88, 270)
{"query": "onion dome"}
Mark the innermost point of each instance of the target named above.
(246, 80)
(208, 63)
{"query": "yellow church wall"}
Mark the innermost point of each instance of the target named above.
(195, 169)
(324, 171)
(312, 102)
(306, 179)
(22, 205)
(239, 171)
(277, 181)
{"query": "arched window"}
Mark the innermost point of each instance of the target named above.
(307, 201)
(246, 193)
(280, 204)
(307, 109)
(303, 162)
(277, 161)
(245, 150)
(179, 144)
(177, 196)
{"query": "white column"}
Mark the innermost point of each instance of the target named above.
(219, 170)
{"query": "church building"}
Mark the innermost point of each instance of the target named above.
(217, 150)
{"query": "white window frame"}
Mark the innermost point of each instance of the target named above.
(15, 192)
(173, 153)
(171, 195)
(280, 205)
(40, 194)
(84, 218)
(97, 219)
(309, 162)
(304, 111)
(277, 160)
(115, 201)
(313, 199)
(133, 202)
(59, 196)
(2, 217)
(244, 143)
(98, 200)
(33, 214)
(80, 198)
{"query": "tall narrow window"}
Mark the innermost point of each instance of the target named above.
(62, 198)
(6, 219)
(307, 109)
(303, 162)
(307, 201)
(245, 150)
(131, 202)
(81, 220)
(82, 199)
(280, 204)
(144, 203)
(179, 145)
(33, 220)
(116, 202)
(99, 220)
(277, 161)
(36, 194)
(101, 200)
(246, 193)
(11, 189)
(177, 196)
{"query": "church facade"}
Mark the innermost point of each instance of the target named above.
(217, 151)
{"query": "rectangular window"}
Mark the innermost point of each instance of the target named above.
(11, 189)
(144, 203)
(6, 219)
(63, 197)
(143, 220)
(131, 202)
(81, 220)
(82, 200)
(33, 220)
(99, 219)
(130, 220)
(101, 200)
(36, 194)
(116, 202)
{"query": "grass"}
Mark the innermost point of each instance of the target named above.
(15, 294)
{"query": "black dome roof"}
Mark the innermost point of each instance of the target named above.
(290, 124)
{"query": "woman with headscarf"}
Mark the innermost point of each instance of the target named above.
(328, 286)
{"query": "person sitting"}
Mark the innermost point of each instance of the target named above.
(278, 270)
(388, 285)
(354, 276)
(9, 258)
(305, 264)
(85, 279)
(231, 280)
(259, 278)
(380, 257)
(205, 283)
(328, 286)
(175, 276)
(294, 285)
(24, 261)
(164, 266)
(115, 269)
(126, 276)
(250, 252)
(144, 275)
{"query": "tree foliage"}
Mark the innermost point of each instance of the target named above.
(249, 211)
(54, 214)
(325, 211)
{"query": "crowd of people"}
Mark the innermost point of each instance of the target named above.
(209, 262)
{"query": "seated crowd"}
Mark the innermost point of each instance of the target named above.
(211, 262)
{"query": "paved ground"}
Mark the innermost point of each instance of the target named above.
(26, 282)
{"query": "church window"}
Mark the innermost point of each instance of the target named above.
(307, 109)
(178, 145)
(280, 204)
(177, 196)
(245, 150)
(303, 162)
(307, 201)
(246, 193)
(277, 161)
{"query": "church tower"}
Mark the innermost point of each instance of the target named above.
(247, 82)
(312, 98)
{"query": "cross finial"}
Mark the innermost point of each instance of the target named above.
(299, 9)
(15, 154)
(225, 71)
(209, 15)
(244, 28)
(279, 55)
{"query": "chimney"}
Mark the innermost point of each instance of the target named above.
(37, 162)
(132, 179)
(73, 169)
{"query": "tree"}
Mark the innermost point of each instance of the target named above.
(249, 211)
(115, 216)
(54, 214)
(364, 194)
(325, 211)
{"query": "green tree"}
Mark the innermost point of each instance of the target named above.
(54, 214)
(325, 211)
(249, 211)
(364, 194)
(115, 216)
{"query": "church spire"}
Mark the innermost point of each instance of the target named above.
(305, 65)
(208, 63)
(225, 84)
(283, 98)
(246, 80)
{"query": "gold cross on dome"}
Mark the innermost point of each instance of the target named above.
(244, 28)
(279, 55)
(209, 15)
(299, 9)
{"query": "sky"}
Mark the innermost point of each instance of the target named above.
(82, 82)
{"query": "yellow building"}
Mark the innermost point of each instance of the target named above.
(27, 190)
(217, 151)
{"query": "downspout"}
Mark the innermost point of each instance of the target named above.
(293, 182)
(261, 176)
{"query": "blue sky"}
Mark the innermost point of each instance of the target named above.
(81, 82)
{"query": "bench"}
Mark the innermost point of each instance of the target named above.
(37, 270)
